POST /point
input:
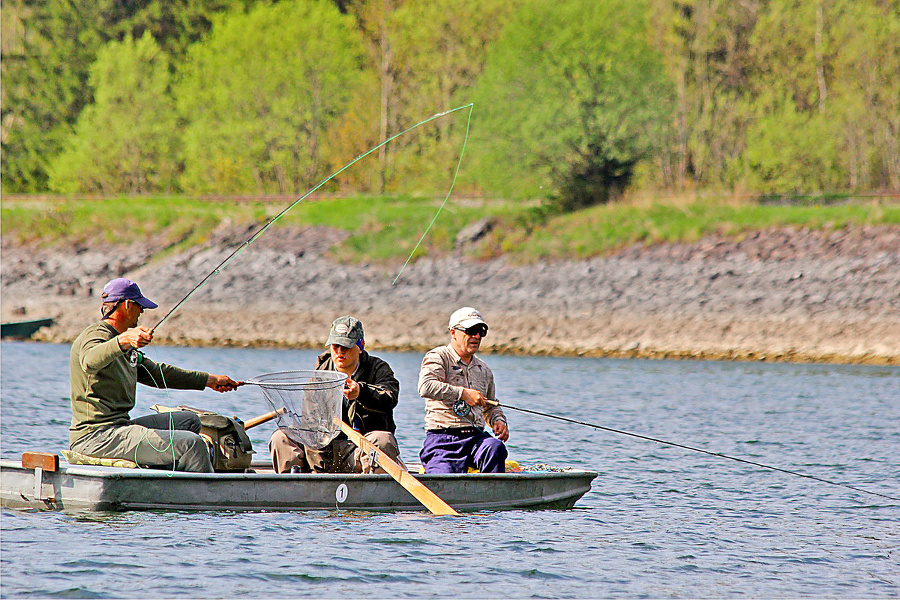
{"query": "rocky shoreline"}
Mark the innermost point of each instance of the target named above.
(786, 295)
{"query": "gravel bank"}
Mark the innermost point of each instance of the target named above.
(793, 295)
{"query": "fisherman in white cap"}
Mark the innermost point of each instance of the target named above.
(453, 381)
(104, 369)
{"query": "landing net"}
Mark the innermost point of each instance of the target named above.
(308, 403)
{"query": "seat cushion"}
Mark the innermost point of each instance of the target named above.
(77, 458)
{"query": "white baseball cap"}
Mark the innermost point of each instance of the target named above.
(465, 317)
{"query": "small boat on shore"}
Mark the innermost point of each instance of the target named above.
(23, 329)
(58, 485)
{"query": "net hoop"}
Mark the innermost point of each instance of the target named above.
(299, 379)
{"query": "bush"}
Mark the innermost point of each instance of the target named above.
(125, 141)
(571, 99)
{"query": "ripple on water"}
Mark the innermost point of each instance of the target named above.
(76, 592)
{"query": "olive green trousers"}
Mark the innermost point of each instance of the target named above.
(161, 440)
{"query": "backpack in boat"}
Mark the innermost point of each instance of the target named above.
(229, 446)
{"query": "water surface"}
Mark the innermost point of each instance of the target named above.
(659, 521)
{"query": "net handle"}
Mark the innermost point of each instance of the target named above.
(262, 419)
(293, 383)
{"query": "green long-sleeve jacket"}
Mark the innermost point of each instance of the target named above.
(103, 381)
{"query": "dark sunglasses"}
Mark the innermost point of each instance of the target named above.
(480, 329)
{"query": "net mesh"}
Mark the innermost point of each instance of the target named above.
(308, 403)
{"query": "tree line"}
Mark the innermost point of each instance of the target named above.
(574, 100)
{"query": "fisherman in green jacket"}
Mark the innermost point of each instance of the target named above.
(105, 368)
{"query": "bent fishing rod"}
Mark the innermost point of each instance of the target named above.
(494, 402)
(269, 223)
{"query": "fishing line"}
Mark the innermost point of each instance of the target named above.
(268, 224)
(447, 197)
(677, 445)
(164, 387)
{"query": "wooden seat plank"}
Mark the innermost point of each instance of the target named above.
(43, 460)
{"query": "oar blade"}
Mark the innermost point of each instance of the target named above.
(420, 492)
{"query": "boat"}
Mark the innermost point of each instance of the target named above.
(58, 485)
(23, 329)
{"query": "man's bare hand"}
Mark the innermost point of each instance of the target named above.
(351, 389)
(500, 430)
(472, 397)
(222, 383)
(136, 337)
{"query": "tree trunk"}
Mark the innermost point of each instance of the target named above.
(386, 93)
(820, 61)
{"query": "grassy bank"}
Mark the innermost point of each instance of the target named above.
(387, 228)
(603, 229)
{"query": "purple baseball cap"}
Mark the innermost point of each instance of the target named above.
(125, 289)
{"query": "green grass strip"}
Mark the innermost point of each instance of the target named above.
(384, 229)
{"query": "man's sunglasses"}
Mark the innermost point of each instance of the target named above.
(480, 329)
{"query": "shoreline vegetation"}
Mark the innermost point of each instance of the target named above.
(685, 278)
(384, 229)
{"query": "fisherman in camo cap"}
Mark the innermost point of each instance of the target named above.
(370, 397)
(453, 380)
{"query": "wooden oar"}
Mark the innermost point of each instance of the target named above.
(429, 499)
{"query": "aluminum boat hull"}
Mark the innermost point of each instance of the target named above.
(79, 487)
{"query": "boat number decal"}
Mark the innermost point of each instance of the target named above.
(341, 493)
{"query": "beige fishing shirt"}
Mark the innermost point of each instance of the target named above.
(441, 382)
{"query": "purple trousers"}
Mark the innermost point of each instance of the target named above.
(454, 450)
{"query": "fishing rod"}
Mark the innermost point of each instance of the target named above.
(269, 223)
(493, 402)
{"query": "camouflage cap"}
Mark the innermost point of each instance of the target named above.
(346, 332)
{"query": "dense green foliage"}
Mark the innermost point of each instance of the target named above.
(260, 94)
(781, 95)
(47, 51)
(572, 98)
(429, 55)
(575, 99)
(125, 141)
(825, 118)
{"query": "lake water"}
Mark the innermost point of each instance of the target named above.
(659, 521)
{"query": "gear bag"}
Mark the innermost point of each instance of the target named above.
(230, 448)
